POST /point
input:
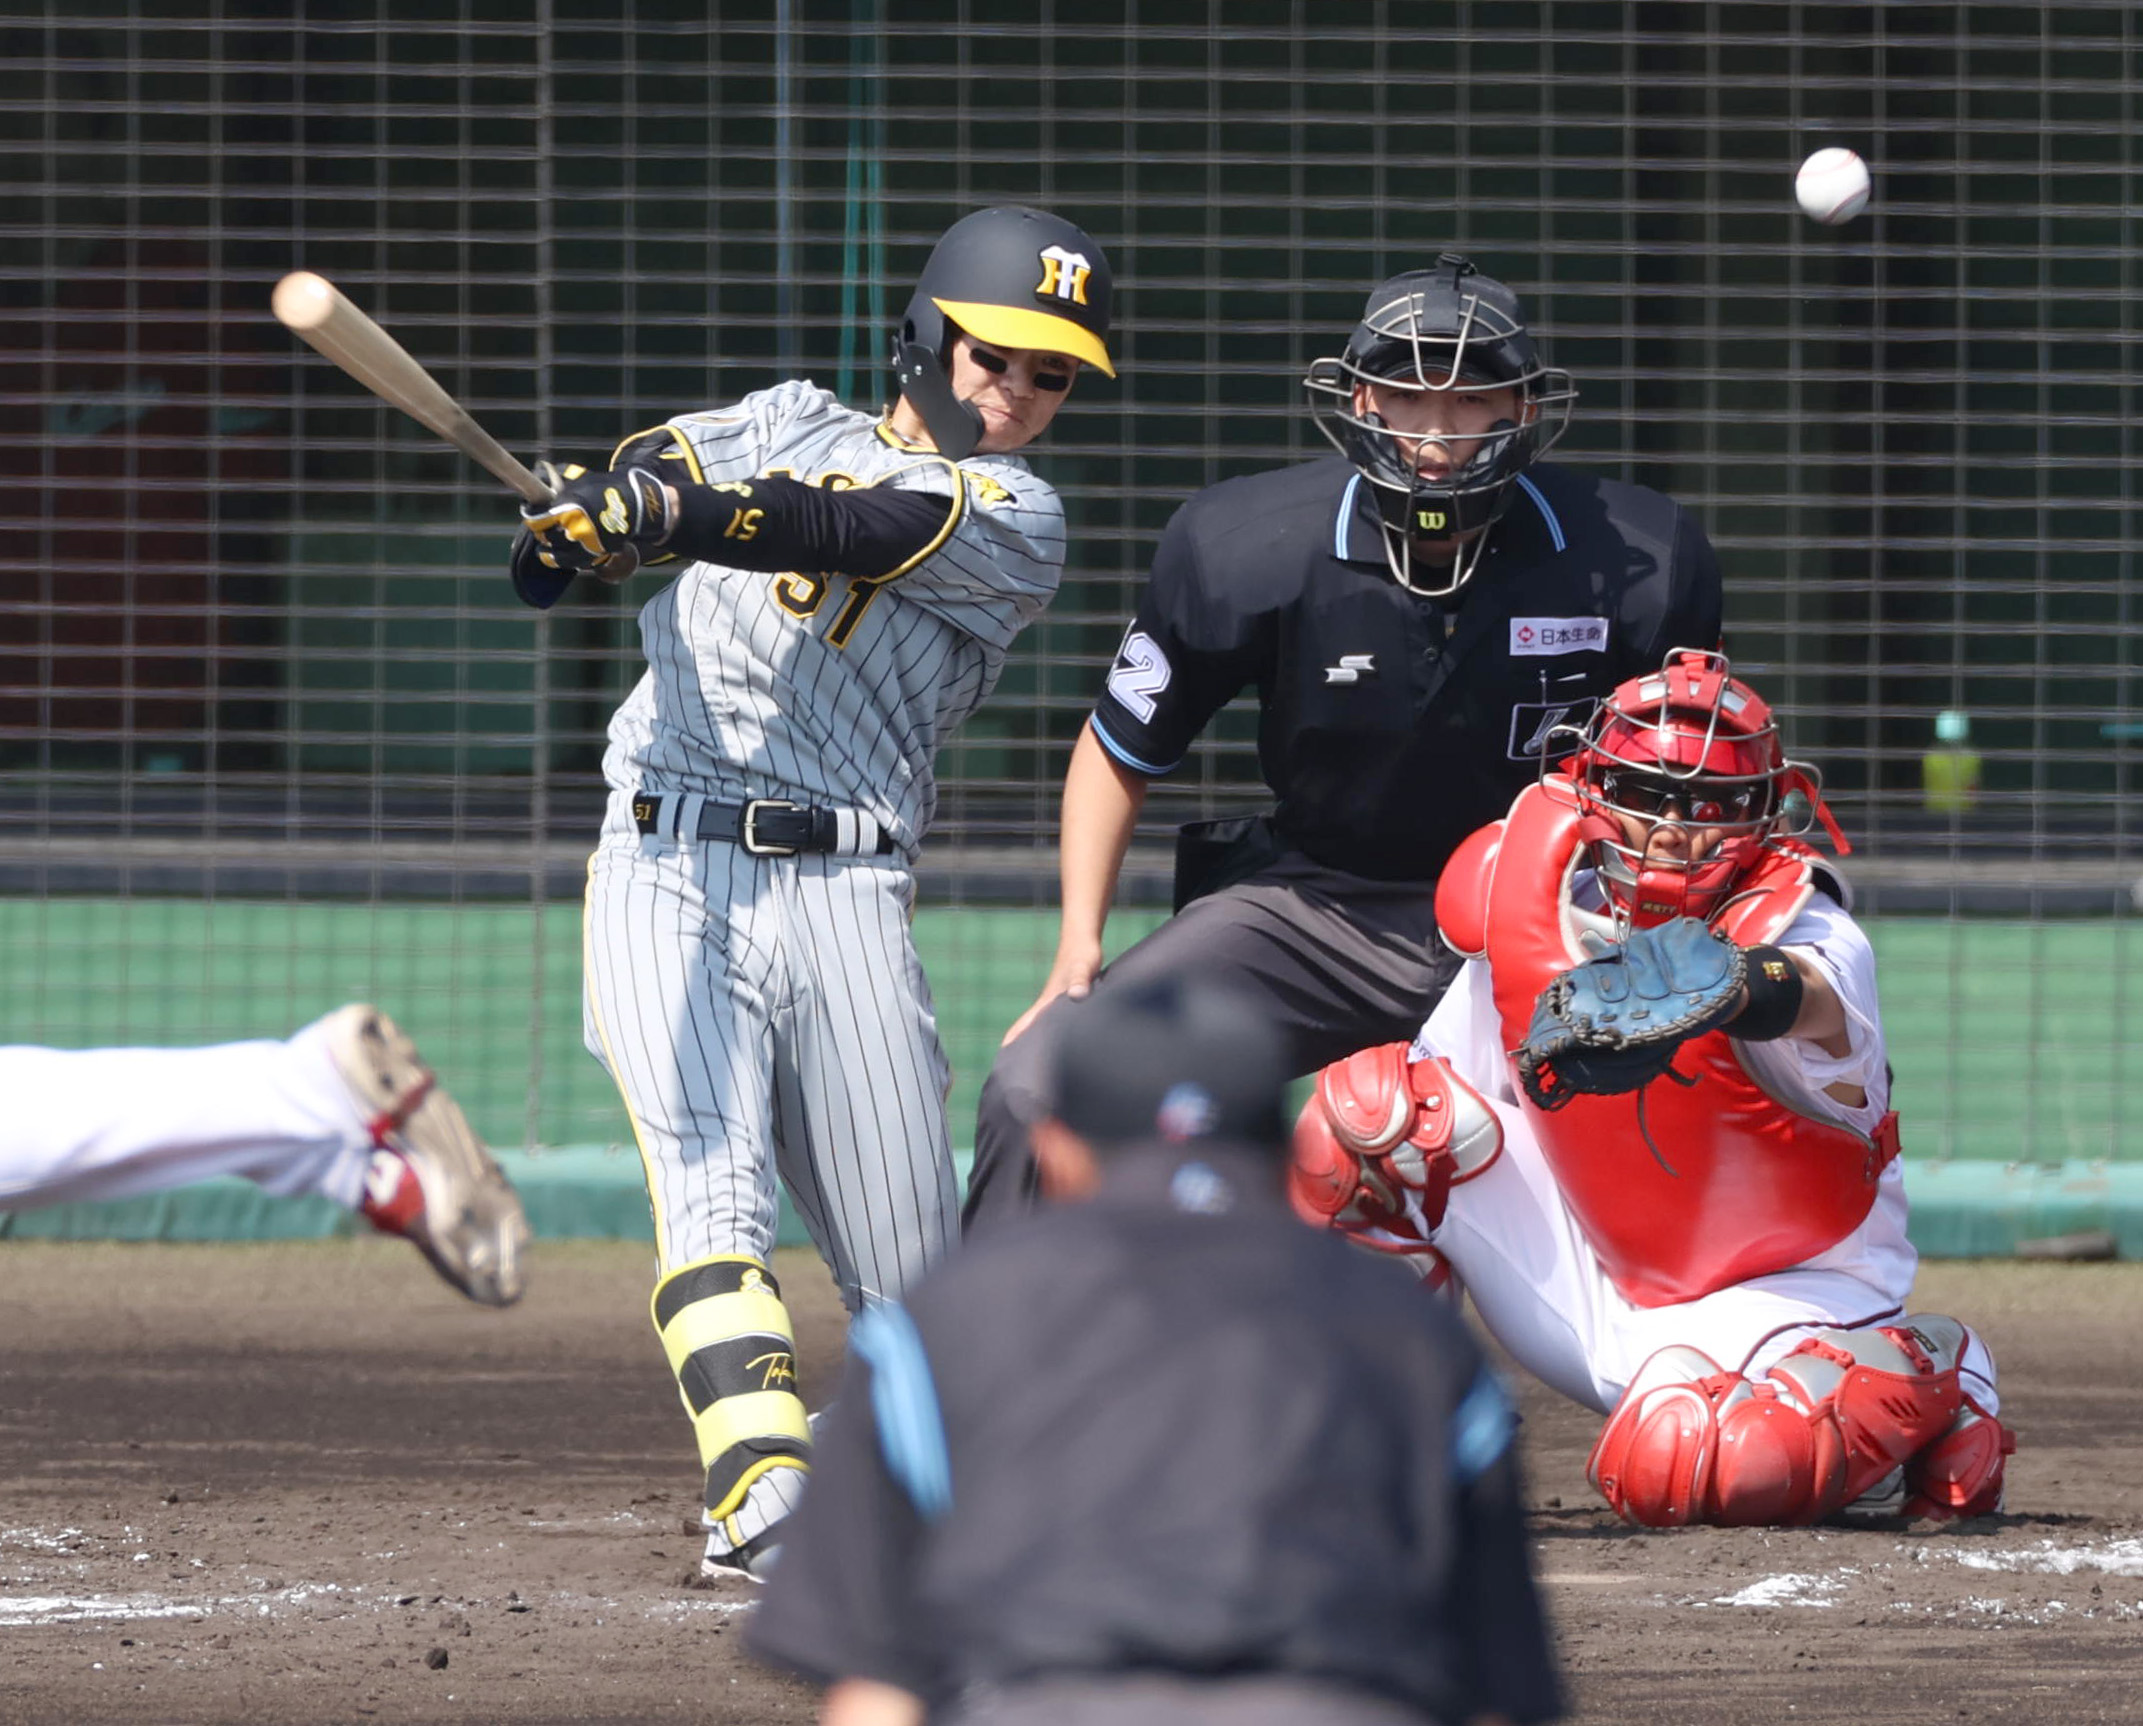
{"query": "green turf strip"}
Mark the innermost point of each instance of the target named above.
(2013, 1042)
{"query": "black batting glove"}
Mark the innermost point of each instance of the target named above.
(608, 523)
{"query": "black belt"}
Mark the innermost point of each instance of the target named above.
(764, 827)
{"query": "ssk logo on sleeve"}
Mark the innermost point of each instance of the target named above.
(1533, 637)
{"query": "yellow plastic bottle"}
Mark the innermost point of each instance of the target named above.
(1949, 772)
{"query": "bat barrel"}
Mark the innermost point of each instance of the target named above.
(321, 315)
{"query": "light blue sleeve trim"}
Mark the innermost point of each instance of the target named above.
(1555, 528)
(1481, 1429)
(1127, 758)
(904, 1402)
(1346, 515)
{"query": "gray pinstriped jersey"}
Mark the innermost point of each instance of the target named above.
(826, 689)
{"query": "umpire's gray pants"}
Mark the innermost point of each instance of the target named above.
(1158, 1700)
(1340, 961)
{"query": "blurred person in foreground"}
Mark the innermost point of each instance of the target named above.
(1158, 1453)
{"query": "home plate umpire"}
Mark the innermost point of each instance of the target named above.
(1157, 1452)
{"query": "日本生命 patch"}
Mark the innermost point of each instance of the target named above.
(1534, 636)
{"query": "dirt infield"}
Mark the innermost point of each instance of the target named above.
(304, 1483)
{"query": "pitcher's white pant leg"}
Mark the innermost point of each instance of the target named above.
(85, 1124)
(861, 1080)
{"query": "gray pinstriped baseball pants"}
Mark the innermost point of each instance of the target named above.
(767, 1019)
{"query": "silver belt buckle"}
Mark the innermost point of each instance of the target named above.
(749, 838)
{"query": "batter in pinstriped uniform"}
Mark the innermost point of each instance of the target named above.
(851, 586)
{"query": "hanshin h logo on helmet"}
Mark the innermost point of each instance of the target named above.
(1064, 275)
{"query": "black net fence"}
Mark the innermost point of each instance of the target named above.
(255, 635)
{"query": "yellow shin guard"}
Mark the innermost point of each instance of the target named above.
(733, 1351)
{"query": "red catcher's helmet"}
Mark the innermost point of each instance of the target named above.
(1671, 759)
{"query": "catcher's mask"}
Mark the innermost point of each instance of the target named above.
(1681, 781)
(1009, 276)
(1449, 328)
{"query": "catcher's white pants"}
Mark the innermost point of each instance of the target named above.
(1543, 1296)
(767, 1019)
(81, 1124)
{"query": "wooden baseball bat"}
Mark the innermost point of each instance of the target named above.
(315, 311)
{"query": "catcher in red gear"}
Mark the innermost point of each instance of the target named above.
(1649, 1128)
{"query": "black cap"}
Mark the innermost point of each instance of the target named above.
(1171, 1062)
(1411, 322)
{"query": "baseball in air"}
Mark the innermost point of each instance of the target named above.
(1832, 186)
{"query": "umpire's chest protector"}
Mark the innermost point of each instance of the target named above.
(1740, 1185)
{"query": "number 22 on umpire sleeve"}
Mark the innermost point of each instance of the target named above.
(1141, 672)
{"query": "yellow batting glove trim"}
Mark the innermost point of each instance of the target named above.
(572, 521)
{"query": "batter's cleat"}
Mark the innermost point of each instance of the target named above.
(430, 1180)
(754, 1561)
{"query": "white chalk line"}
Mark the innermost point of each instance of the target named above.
(49, 1600)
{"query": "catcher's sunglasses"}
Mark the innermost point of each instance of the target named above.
(1699, 802)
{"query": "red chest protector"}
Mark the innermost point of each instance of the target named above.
(1742, 1185)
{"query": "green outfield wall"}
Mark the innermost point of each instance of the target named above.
(2016, 1044)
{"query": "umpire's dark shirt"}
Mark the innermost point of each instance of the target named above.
(1393, 726)
(1186, 1433)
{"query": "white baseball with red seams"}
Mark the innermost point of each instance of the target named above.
(1832, 186)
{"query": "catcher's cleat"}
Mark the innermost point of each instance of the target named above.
(1885, 1498)
(1825, 1426)
(431, 1179)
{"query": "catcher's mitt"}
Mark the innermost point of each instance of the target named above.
(1613, 1023)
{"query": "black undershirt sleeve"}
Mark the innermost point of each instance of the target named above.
(767, 525)
(776, 524)
(783, 524)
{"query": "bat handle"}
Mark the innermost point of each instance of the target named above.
(548, 477)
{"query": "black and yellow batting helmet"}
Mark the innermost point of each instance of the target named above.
(1010, 276)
